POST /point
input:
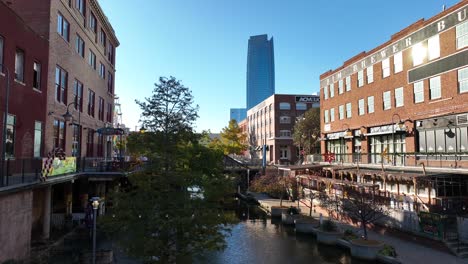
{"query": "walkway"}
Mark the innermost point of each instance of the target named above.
(423, 251)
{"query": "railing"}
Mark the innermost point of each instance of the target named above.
(439, 160)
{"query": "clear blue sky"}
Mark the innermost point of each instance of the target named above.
(203, 43)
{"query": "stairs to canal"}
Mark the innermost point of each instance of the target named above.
(457, 247)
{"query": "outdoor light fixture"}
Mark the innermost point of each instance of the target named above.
(67, 116)
(95, 204)
(142, 129)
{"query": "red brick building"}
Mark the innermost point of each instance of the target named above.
(407, 95)
(271, 123)
(80, 75)
(23, 54)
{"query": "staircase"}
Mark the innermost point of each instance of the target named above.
(457, 247)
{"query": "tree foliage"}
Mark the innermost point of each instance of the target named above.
(174, 208)
(232, 139)
(307, 130)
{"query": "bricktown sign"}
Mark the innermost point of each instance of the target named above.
(426, 32)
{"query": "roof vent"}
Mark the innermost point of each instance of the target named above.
(462, 119)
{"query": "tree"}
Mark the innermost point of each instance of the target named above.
(174, 208)
(331, 204)
(307, 130)
(232, 139)
(364, 208)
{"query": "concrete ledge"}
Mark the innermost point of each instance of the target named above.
(305, 225)
(365, 251)
(328, 238)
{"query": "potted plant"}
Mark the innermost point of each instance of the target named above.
(328, 233)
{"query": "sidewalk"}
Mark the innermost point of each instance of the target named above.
(410, 249)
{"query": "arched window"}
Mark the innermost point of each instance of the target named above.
(285, 106)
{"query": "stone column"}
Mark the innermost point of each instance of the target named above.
(47, 212)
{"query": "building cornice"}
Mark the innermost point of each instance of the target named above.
(104, 20)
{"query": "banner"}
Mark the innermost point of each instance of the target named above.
(58, 166)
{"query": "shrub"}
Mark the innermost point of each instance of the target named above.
(388, 251)
(292, 210)
(349, 235)
(329, 226)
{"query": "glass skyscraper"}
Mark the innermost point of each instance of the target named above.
(238, 114)
(260, 70)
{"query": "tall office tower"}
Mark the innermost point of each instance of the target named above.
(238, 114)
(260, 70)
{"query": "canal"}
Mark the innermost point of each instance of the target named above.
(260, 239)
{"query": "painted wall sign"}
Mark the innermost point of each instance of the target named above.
(424, 33)
(307, 99)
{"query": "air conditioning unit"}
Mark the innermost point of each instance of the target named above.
(462, 119)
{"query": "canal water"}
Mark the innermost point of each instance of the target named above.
(260, 239)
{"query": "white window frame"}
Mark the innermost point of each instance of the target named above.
(399, 97)
(463, 80)
(285, 120)
(435, 88)
(386, 68)
(325, 92)
(284, 106)
(341, 112)
(340, 87)
(348, 110)
(361, 107)
(387, 101)
(370, 74)
(37, 139)
(19, 65)
(348, 83)
(332, 115)
(300, 106)
(433, 47)
(360, 78)
(326, 116)
(462, 35)
(332, 90)
(37, 75)
(418, 53)
(398, 62)
(370, 104)
(285, 133)
(418, 92)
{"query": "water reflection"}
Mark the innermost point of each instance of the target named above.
(259, 239)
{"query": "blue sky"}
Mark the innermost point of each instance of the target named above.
(203, 43)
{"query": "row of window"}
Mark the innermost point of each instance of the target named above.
(35, 70)
(61, 88)
(282, 106)
(11, 137)
(59, 139)
(435, 92)
(420, 52)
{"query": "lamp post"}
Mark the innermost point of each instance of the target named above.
(68, 118)
(95, 203)
(5, 116)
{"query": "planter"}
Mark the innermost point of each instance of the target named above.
(328, 238)
(365, 249)
(288, 219)
(305, 225)
(276, 211)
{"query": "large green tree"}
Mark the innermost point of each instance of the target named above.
(307, 130)
(173, 209)
(232, 139)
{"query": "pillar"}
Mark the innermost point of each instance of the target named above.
(68, 198)
(47, 212)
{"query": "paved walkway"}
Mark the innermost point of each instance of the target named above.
(409, 251)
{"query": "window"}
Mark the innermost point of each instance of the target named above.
(370, 104)
(102, 38)
(332, 90)
(285, 120)
(10, 136)
(387, 104)
(92, 22)
(418, 52)
(37, 75)
(361, 107)
(463, 80)
(360, 78)
(61, 80)
(325, 92)
(399, 100)
(90, 143)
(91, 98)
(76, 140)
(79, 46)
(37, 139)
(19, 65)
(63, 27)
(434, 87)
(109, 112)
(110, 53)
(326, 116)
(370, 74)
(92, 59)
(102, 70)
(341, 112)
(78, 95)
(301, 106)
(348, 110)
(332, 115)
(418, 92)
(101, 109)
(110, 82)
(462, 35)
(386, 68)
(433, 47)
(59, 134)
(348, 83)
(398, 62)
(340, 86)
(80, 5)
(284, 152)
(285, 106)
(1, 51)
(285, 133)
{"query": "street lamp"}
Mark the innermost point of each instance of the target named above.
(5, 116)
(68, 118)
(95, 203)
(142, 129)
